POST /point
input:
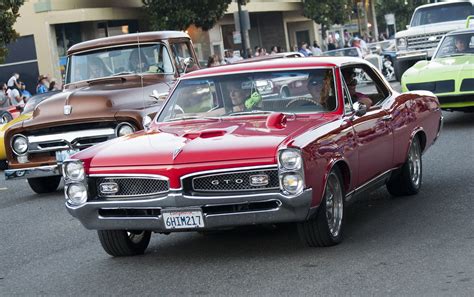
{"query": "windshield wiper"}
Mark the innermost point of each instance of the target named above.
(191, 118)
(238, 113)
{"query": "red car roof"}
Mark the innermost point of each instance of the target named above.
(276, 64)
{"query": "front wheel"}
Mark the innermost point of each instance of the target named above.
(5, 117)
(407, 180)
(43, 185)
(325, 228)
(120, 243)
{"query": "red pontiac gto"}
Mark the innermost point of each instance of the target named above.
(220, 154)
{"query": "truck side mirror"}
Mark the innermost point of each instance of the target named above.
(188, 63)
(159, 96)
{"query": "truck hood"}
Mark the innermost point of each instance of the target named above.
(199, 141)
(441, 28)
(97, 100)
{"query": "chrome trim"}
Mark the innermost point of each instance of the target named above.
(240, 190)
(27, 143)
(136, 178)
(132, 175)
(367, 183)
(72, 139)
(249, 168)
(33, 172)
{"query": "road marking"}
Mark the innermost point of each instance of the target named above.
(3, 189)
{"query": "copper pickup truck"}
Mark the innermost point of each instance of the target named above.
(113, 87)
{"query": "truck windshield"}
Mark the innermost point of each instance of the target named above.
(130, 59)
(444, 13)
(292, 91)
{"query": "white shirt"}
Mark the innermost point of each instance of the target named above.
(12, 81)
(14, 94)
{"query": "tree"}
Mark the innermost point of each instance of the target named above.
(179, 15)
(8, 15)
(327, 12)
(403, 10)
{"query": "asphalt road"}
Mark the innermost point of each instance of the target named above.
(420, 245)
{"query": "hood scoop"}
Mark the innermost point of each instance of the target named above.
(276, 120)
(210, 133)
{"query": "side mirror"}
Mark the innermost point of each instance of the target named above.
(359, 109)
(147, 122)
(408, 26)
(188, 63)
(159, 96)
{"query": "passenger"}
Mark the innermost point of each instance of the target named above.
(351, 82)
(242, 99)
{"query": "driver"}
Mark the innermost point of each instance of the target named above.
(137, 62)
(461, 44)
(319, 90)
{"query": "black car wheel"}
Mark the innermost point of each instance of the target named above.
(5, 117)
(325, 228)
(407, 180)
(120, 243)
(43, 185)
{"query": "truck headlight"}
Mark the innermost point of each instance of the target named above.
(290, 159)
(124, 129)
(76, 193)
(401, 43)
(73, 170)
(292, 183)
(19, 144)
(290, 171)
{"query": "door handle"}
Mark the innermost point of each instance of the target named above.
(387, 117)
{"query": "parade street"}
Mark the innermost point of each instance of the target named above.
(416, 245)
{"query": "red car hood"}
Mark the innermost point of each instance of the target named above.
(198, 141)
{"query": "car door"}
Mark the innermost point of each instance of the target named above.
(373, 130)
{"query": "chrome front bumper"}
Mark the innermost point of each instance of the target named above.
(33, 172)
(288, 209)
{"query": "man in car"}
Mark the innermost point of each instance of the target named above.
(351, 82)
(461, 44)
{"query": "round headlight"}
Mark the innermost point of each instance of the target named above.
(292, 183)
(291, 159)
(76, 194)
(401, 43)
(20, 144)
(74, 171)
(124, 129)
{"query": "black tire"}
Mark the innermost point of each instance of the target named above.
(121, 243)
(407, 180)
(5, 117)
(400, 68)
(3, 164)
(316, 232)
(43, 185)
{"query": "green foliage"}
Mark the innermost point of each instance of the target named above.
(327, 12)
(403, 10)
(179, 15)
(8, 15)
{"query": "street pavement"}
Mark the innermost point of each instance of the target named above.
(410, 246)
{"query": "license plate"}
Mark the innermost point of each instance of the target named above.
(185, 219)
(65, 154)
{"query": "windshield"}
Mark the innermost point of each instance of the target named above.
(444, 13)
(456, 45)
(130, 59)
(296, 91)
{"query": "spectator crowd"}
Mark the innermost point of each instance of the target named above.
(14, 91)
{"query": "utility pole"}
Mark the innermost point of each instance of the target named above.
(242, 31)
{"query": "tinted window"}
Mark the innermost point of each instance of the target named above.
(444, 13)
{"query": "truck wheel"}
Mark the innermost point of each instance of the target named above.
(5, 117)
(120, 243)
(325, 228)
(43, 185)
(407, 180)
(400, 68)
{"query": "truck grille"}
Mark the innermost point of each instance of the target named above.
(128, 187)
(233, 182)
(424, 41)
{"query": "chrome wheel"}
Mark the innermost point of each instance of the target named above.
(334, 204)
(414, 163)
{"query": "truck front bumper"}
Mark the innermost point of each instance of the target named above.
(33, 172)
(217, 211)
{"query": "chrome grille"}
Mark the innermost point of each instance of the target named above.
(423, 42)
(129, 187)
(234, 181)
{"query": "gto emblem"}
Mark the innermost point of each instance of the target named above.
(67, 109)
(259, 180)
(108, 188)
(217, 182)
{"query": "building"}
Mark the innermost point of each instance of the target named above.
(48, 27)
